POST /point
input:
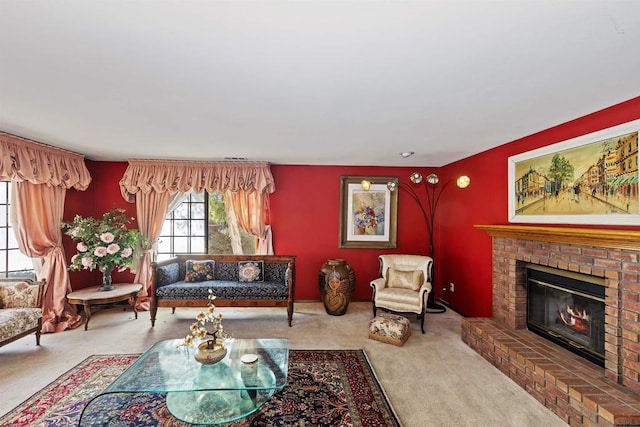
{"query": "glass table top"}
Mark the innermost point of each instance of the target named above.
(196, 393)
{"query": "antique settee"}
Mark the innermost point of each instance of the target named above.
(235, 280)
(20, 309)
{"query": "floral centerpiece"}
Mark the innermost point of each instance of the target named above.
(104, 244)
(212, 350)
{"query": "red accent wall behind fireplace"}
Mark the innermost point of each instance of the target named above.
(463, 254)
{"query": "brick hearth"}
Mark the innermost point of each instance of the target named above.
(581, 393)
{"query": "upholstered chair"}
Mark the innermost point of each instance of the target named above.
(404, 284)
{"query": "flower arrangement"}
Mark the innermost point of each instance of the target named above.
(199, 329)
(366, 216)
(104, 243)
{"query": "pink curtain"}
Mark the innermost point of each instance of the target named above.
(145, 181)
(36, 213)
(181, 176)
(151, 209)
(25, 160)
(41, 174)
(249, 209)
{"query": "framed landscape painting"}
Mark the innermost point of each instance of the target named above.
(592, 179)
(368, 216)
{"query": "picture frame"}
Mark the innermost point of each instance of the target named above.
(368, 217)
(591, 179)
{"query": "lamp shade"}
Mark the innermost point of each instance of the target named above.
(463, 181)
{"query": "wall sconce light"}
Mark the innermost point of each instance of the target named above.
(365, 184)
(428, 209)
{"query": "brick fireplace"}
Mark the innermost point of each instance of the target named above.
(581, 393)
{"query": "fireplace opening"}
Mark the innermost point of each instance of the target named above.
(568, 309)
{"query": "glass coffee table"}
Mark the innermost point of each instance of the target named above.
(198, 394)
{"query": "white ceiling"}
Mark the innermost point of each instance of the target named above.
(308, 82)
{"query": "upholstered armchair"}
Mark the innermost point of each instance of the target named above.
(20, 309)
(404, 285)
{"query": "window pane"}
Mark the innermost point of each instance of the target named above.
(197, 211)
(180, 245)
(197, 244)
(164, 245)
(181, 211)
(197, 228)
(181, 227)
(11, 259)
(11, 237)
(162, 257)
(197, 197)
(166, 228)
(19, 261)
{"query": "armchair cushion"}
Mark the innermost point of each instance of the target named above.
(20, 294)
(404, 279)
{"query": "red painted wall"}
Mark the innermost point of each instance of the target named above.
(102, 195)
(305, 215)
(305, 211)
(463, 253)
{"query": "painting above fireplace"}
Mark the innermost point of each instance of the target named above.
(591, 179)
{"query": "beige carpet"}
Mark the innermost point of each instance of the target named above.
(434, 380)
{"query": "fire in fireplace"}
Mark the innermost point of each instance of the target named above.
(568, 309)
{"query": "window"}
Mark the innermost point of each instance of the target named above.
(189, 230)
(13, 263)
(183, 230)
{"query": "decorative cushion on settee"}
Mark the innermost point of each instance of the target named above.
(251, 271)
(168, 274)
(199, 271)
(390, 328)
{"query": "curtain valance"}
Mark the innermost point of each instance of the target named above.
(181, 176)
(25, 160)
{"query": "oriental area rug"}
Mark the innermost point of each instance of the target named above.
(324, 388)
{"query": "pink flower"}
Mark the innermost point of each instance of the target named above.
(75, 231)
(73, 258)
(81, 247)
(107, 237)
(113, 248)
(126, 252)
(100, 251)
(87, 261)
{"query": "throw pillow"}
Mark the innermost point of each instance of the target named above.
(199, 271)
(168, 274)
(251, 271)
(404, 279)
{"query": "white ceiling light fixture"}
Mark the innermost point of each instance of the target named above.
(406, 154)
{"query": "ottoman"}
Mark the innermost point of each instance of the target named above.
(390, 328)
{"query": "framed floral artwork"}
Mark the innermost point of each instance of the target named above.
(368, 212)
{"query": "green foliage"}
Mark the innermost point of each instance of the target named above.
(104, 243)
(561, 170)
(217, 210)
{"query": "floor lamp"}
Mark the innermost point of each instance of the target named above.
(433, 193)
